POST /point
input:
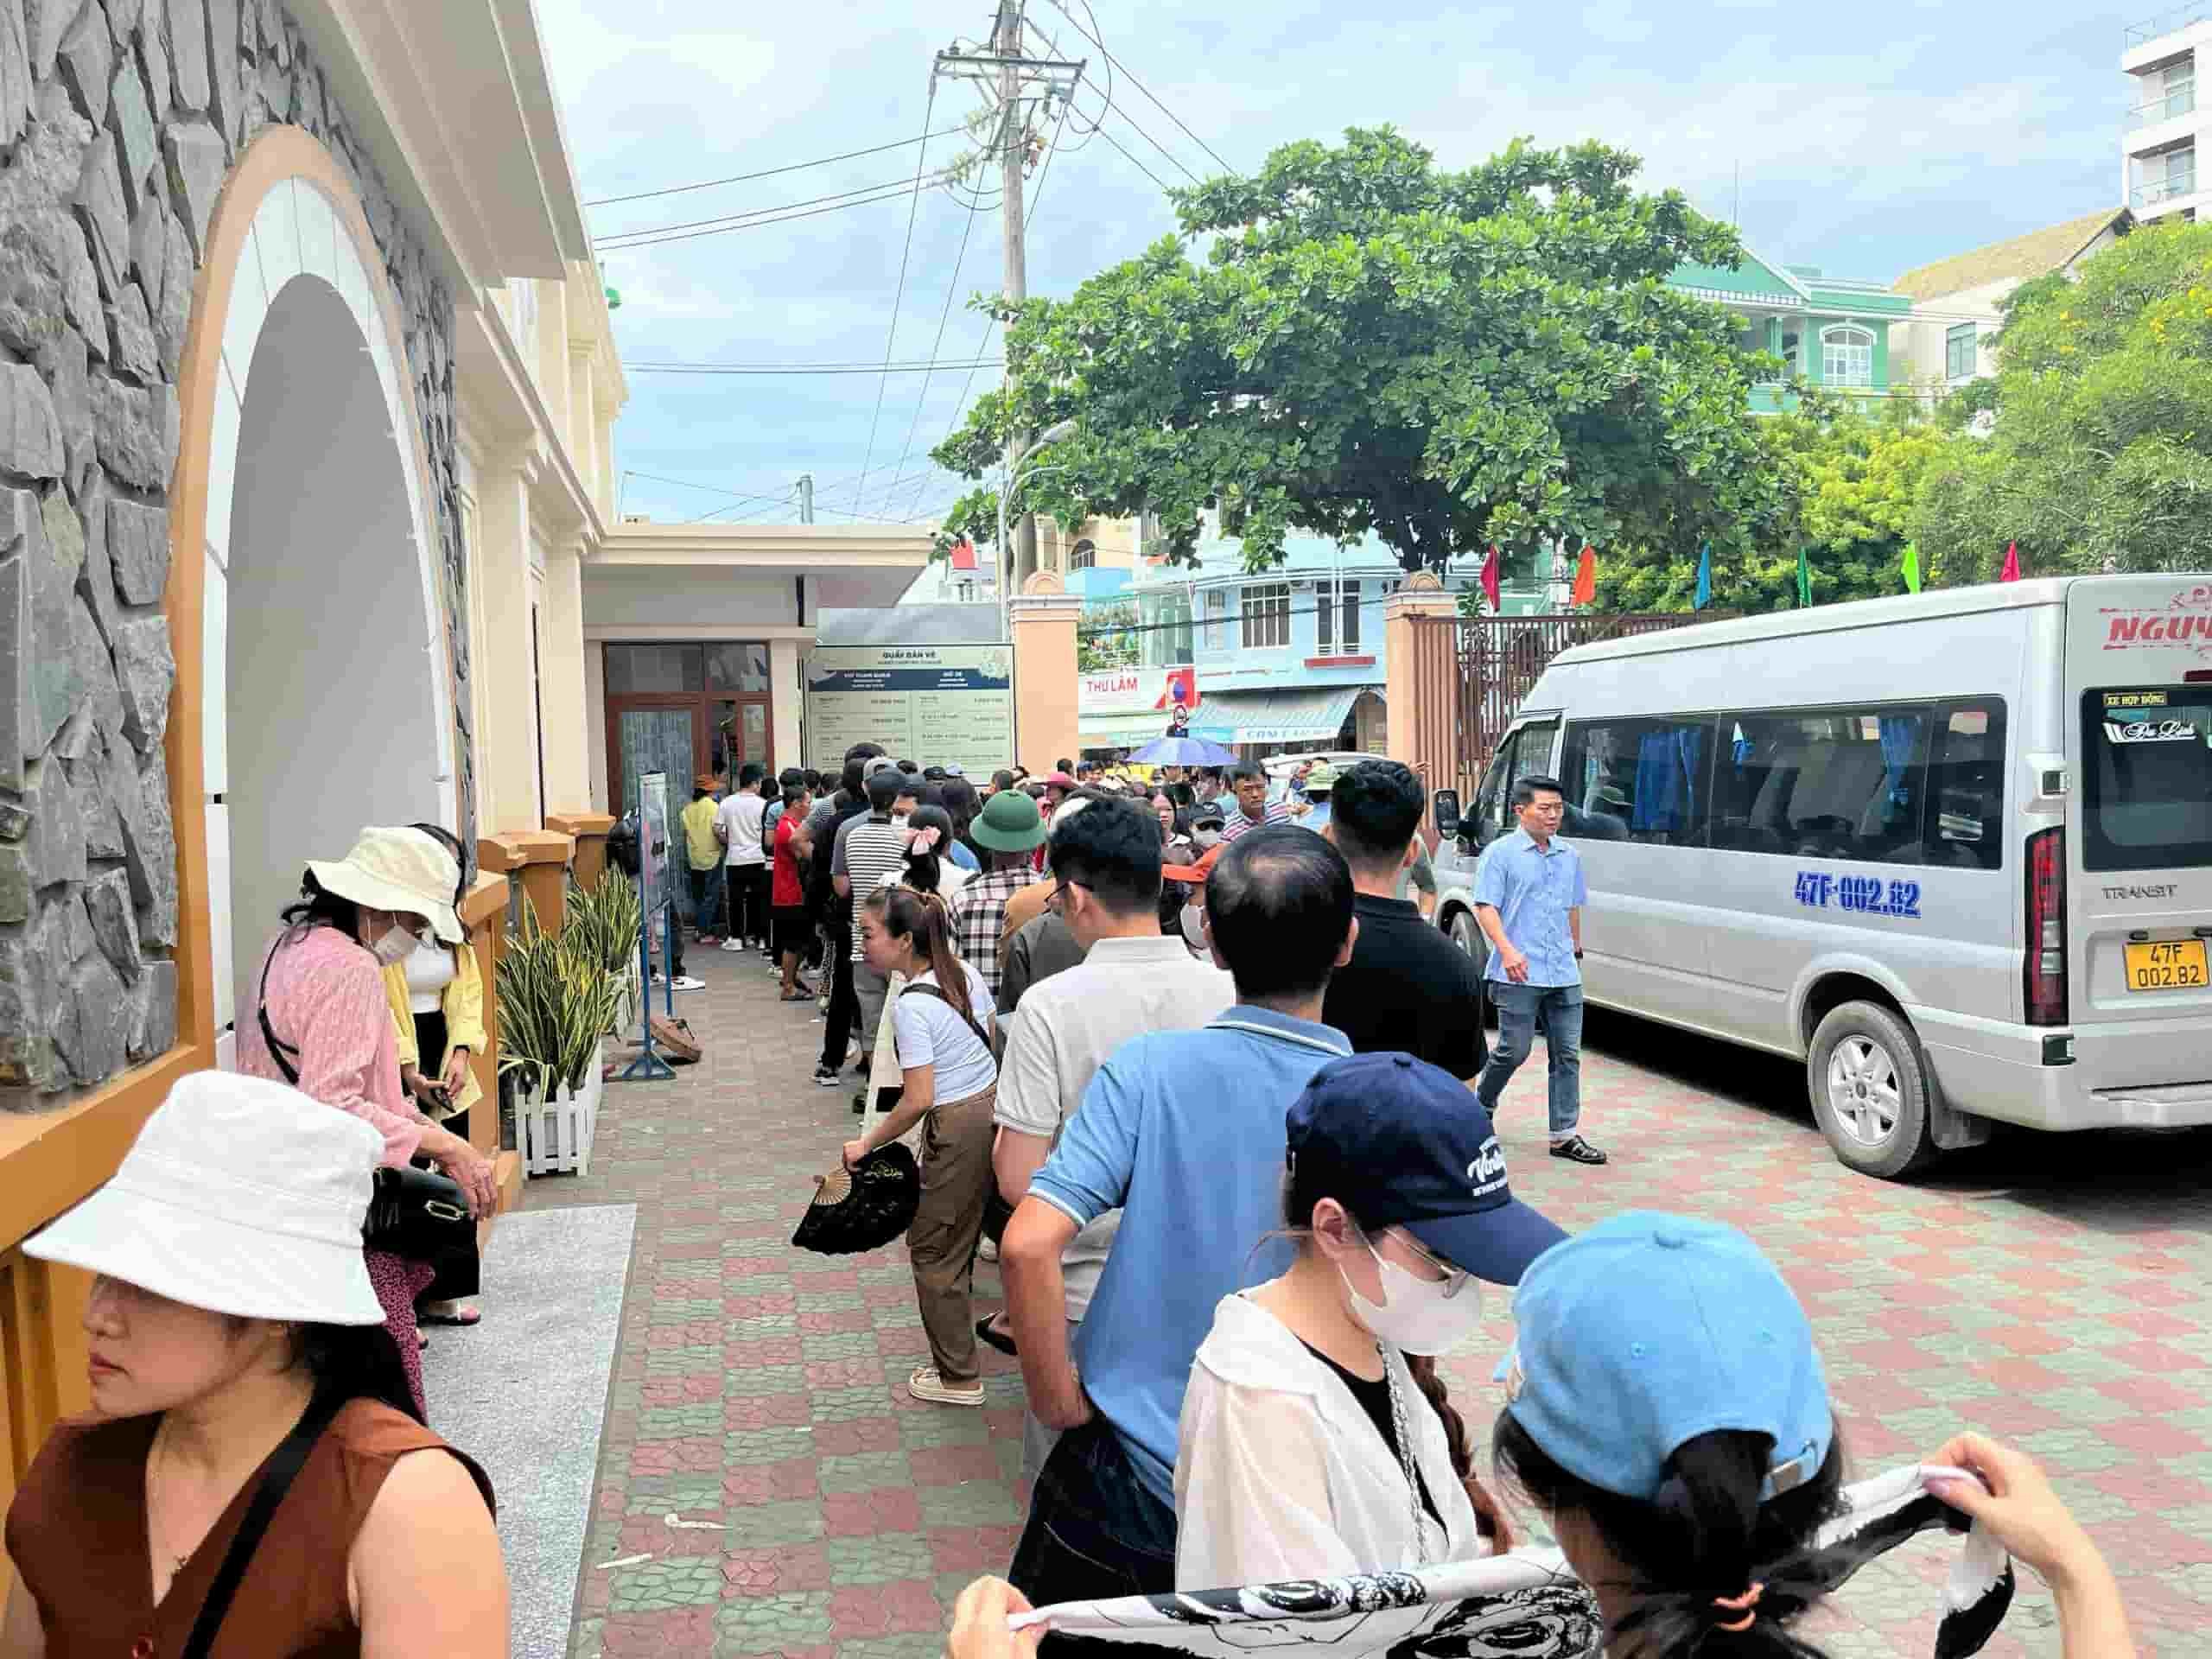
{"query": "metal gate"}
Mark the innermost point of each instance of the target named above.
(1483, 667)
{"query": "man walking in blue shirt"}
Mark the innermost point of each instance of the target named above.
(1184, 1132)
(1528, 897)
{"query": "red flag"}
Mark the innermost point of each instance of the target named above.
(1490, 577)
(1585, 577)
(963, 555)
(2011, 571)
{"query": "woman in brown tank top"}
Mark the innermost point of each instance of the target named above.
(230, 1305)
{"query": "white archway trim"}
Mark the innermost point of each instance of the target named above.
(299, 234)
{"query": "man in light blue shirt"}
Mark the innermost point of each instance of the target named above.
(1184, 1132)
(1528, 897)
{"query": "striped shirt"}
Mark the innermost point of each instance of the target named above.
(979, 913)
(869, 849)
(1237, 823)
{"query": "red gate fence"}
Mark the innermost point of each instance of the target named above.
(1481, 668)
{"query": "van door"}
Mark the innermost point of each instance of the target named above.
(2132, 979)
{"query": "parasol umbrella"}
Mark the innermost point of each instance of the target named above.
(863, 1208)
(1182, 752)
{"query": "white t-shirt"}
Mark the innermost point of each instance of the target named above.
(740, 816)
(929, 1031)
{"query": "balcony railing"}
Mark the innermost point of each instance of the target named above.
(2166, 22)
(2166, 189)
(2180, 101)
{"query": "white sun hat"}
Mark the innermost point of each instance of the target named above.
(398, 870)
(189, 1217)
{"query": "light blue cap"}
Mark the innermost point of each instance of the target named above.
(1649, 1329)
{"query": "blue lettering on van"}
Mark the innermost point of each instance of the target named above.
(1863, 895)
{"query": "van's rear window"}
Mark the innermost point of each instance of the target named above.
(2147, 784)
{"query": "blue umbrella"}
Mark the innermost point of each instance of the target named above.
(1182, 752)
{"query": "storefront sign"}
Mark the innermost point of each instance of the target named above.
(942, 705)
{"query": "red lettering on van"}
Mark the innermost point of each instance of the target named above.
(2124, 629)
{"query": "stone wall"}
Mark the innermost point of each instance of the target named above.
(120, 121)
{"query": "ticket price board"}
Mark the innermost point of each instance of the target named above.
(942, 705)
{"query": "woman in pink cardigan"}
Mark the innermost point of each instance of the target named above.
(321, 1023)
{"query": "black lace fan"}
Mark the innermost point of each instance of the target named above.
(863, 1208)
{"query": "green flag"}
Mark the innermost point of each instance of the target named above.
(1911, 567)
(1804, 578)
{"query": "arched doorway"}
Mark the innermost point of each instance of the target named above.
(328, 690)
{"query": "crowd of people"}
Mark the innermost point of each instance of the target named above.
(1195, 1066)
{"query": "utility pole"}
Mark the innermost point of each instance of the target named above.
(1010, 76)
(806, 497)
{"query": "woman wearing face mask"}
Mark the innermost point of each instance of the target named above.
(322, 1023)
(1316, 1437)
(1177, 850)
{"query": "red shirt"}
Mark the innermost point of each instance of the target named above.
(785, 888)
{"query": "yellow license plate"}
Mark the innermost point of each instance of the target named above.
(2168, 965)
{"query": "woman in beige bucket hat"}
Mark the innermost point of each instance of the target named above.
(317, 1017)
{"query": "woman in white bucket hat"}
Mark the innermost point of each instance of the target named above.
(234, 1335)
(317, 1017)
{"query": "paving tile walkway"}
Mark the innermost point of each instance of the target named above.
(2058, 1292)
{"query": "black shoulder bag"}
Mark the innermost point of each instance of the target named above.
(416, 1213)
(277, 1476)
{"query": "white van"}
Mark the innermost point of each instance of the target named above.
(1954, 849)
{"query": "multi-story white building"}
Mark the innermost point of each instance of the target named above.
(2165, 125)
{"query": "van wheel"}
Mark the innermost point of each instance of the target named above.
(1463, 932)
(1869, 1085)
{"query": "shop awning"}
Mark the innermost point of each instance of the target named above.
(1290, 715)
(1121, 731)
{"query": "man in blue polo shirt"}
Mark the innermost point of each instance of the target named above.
(1528, 897)
(1184, 1132)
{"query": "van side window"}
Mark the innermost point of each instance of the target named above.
(1646, 780)
(1833, 783)
(1966, 786)
(1526, 750)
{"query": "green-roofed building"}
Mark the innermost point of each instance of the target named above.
(1830, 331)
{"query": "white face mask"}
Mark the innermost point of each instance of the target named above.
(398, 944)
(1419, 1317)
(1194, 927)
(1205, 837)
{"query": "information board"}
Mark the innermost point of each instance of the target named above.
(940, 705)
(654, 852)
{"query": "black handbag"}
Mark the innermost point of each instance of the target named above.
(416, 1213)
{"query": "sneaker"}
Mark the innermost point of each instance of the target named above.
(685, 982)
(928, 1384)
(1575, 1149)
(731, 944)
(987, 1251)
(826, 1076)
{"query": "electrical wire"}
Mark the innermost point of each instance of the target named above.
(768, 173)
(692, 484)
(614, 240)
(899, 294)
(1096, 39)
(954, 364)
(756, 224)
(944, 316)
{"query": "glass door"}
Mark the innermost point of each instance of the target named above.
(740, 736)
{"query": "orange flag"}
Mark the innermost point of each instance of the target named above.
(1585, 577)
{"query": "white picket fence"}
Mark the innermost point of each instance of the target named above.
(554, 1136)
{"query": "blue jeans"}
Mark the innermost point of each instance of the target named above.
(1518, 1007)
(706, 899)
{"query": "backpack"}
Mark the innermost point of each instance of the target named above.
(622, 844)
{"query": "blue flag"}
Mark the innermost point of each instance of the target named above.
(1704, 576)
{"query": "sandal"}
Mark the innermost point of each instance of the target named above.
(456, 1313)
(990, 1336)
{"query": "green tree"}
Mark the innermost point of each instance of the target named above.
(1371, 345)
(2102, 454)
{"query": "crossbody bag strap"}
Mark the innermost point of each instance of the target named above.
(938, 992)
(278, 1049)
(277, 1476)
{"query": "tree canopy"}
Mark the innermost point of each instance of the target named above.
(2102, 454)
(1372, 345)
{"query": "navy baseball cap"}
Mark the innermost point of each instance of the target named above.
(1649, 1329)
(1402, 1143)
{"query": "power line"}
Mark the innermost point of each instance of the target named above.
(691, 484)
(1115, 62)
(921, 397)
(616, 239)
(770, 173)
(1133, 161)
(899, 294)
(929, 367)
(755, 224)
(1106, 97)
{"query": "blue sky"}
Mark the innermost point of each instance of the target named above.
(1867, 146)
